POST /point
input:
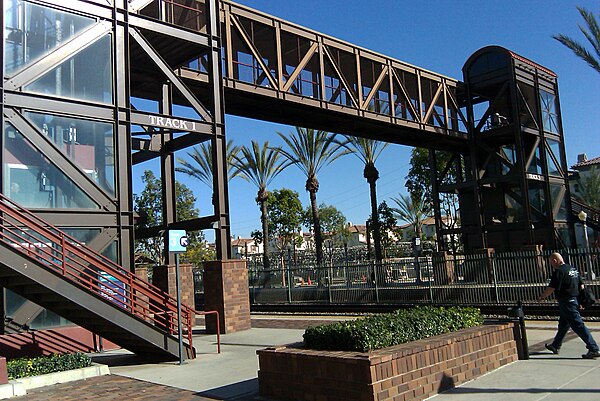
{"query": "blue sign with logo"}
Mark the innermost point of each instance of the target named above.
(178, 240)
(112, 288)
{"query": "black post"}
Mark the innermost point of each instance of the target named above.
(523, 331)
(522, 346)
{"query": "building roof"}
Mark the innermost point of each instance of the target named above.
(587, 163)
(361, 229)
(242, 241)
(429, 221)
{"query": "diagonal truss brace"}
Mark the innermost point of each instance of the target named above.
(254, 51)
(384, 73)
(58, 55)
(67, 166)
(413, 111)
(491, 107)
(311, 51)
(164, 67)
(433, 102)
(341, 76)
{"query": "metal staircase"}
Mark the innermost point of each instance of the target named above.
(593, 215)
(54, 270)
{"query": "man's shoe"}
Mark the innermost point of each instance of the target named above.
(552, 348)
(591, 355)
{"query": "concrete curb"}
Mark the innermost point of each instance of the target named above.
(19, 387)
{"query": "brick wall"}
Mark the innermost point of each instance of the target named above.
(164, 277)
(412, 371)
(141, 299)
(226, 291)
(67, 339)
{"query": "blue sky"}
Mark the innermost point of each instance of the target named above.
(438, 36)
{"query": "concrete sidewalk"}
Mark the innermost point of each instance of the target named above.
(543, 377)
(232, 375)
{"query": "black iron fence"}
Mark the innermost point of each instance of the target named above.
(478, 279)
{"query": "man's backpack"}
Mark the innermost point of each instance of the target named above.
(586, 297)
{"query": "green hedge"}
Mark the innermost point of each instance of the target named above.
(25, 367)
(385, 330)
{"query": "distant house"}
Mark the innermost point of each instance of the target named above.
(582, 168)
(358, 235)
(241, 248)
(428, 230)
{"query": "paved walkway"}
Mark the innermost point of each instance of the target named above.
(231, 375)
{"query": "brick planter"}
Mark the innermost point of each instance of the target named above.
(412, 371)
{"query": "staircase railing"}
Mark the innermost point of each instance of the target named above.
(593, 215)
(58, 252)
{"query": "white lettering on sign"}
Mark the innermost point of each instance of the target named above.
(534, 176)
(173, 123)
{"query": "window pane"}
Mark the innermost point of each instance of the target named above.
(32, 181)
(528, 109)
(85, 76)
(555, 191)
(514, 210)
(535, 167)
(33, 31)
(549, 117)
(553, 168)
(90, 144)
(537, 200)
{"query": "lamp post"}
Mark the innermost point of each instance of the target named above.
(583, 217)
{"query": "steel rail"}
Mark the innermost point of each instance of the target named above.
(58, 252)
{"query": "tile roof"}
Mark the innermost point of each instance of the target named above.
(590, 162)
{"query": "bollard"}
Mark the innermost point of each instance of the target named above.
(3, 371)
(522, 346)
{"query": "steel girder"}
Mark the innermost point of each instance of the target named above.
(279, 71)
(134, 37)
(518, 181)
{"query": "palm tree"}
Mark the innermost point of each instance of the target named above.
(589, 188)
(201, 166)
(312, 150)
(368, 150)
(592, 34)
(413, 211)
(259, 165)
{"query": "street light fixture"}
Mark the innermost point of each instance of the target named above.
(583, 217)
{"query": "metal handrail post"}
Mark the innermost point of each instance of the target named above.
(495, 277)
(376, 282)
(429, 279)
(329, 282)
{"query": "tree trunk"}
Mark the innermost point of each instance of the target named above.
(371, 174)
(262, 200)
(316, 227)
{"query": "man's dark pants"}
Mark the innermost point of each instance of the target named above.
(568, 310)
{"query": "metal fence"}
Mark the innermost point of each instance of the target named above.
(478, 279)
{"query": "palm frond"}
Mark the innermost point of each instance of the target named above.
(259, 165)
(591, 33)
(312, 150)
(200, 165)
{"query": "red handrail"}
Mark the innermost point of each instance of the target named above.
(88, 269)
(210, 312)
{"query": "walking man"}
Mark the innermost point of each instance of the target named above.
(565, 283)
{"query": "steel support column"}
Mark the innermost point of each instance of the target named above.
(220, 184)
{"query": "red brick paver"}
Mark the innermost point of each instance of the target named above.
(111, 388)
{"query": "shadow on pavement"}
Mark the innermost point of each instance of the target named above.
(472, 390)
(121, 359)
(246, 390)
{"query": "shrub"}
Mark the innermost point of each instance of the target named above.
(25, 367)
(385, 330)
